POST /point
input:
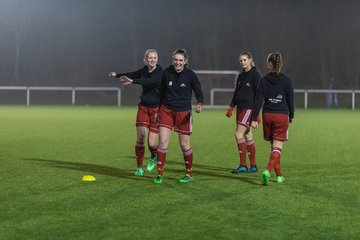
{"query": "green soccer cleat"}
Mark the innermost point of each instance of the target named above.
(158, 180)
(185, 179)
(266, 176)
(139, 171)
(280, 179)
(152, 163)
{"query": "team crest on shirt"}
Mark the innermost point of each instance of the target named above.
(182, 85)
(170, 83)
(248, 84)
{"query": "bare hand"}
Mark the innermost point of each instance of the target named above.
(112, 74)
(199, 108)
(254, 124)
(126, 80)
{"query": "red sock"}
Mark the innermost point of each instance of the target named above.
(188, 158)
(153, 151)
(161, 158)
(277, 166)
(274, 158)
(250, 147)
(139, 152)
(241, 143)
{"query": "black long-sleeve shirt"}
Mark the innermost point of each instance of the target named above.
(150, 82)
(176, 89)
(245, 91)
(275, 94)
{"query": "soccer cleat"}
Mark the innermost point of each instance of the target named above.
(152, 163)
(185, 179)
(253, 169)
(266, 176)
(240, 169)
(280, 179)
(158, 180)
(139, 171)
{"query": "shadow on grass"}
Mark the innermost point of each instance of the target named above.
(89, 168)
(218, 172)
(201, 170)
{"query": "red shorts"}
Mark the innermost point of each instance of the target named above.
(179, 121)
(243, 117)
(275, 126)
(147, 117)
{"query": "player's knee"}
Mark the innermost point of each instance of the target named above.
(141, 134)
(186, 147)
(239, 135)
(163, 144)
(248, 136)
(152, 144)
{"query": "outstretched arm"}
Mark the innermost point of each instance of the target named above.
(153, 81)
(112, 74)
(126, 81)
(132, 75)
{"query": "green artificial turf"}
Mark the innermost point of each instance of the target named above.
(45, 151)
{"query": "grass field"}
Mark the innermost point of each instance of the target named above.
(45, 151)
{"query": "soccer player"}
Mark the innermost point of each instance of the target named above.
(177, 84)
(244, 100)
(276, 97)
(149, 78)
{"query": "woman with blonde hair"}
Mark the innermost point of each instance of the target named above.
(244, 100)
(149, 78)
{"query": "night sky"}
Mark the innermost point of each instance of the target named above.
(76, 42)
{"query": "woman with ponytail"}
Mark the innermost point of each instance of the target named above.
(149, 78)
(178, 83)
(276, 97)
(244, 100)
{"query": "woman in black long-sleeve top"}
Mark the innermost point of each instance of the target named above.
(244, 100)
(276, 97)
(149, 77)
(178, 82)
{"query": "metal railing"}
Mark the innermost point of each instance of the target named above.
(305, 91)
(213, 91)
(72, 89)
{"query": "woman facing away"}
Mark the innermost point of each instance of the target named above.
(149, 78)
(244, 100)
(276, 98)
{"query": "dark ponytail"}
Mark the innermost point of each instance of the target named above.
(276, 60)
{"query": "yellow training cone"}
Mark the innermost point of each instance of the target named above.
(88, 178)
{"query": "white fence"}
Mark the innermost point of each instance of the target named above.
(226, 82)
(326, 91)
(304, 91)
(72, 89)
(213, 92)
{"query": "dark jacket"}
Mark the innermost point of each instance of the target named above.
(176, 89)
(150, 82)
(245, 91)
(276, 95)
